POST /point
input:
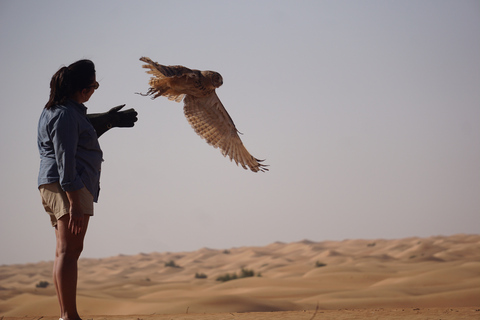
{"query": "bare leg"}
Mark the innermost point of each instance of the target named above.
(69, 248)
(55, 276)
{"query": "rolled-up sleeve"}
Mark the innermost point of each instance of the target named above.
(64, 134)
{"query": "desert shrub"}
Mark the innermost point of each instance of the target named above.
(200, 276)
(244, 273)
(227, 277)
(319, 264)
(42, 284)
(171, 264)
(226, 251)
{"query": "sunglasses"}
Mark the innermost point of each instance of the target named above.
(95, 85)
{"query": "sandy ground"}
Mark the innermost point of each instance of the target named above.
(412, 278)
(345, 314)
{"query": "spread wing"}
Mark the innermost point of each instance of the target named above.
(172, 82)
(211, 122)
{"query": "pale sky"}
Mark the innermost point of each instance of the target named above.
(368, 113)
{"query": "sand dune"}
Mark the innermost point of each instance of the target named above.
(436, 272)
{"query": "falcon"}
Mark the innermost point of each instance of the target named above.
(202, 107)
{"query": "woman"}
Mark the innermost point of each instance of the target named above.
(70, 162)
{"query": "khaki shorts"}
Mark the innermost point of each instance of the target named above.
(56, 203)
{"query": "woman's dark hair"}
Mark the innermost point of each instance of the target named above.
(68, 80)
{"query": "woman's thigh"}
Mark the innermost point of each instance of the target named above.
(68, 242)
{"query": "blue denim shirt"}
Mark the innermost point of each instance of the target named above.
(69, 149)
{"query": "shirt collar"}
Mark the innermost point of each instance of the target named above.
(80, 107)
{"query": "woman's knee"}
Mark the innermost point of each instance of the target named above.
(65, 249)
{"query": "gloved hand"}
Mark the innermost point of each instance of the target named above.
(102, 122)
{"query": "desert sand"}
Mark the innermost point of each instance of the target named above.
(412, 278)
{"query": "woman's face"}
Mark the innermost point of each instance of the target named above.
(88, 91)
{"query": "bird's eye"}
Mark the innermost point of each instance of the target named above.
(218, 79)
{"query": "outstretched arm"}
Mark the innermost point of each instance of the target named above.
(102, 122)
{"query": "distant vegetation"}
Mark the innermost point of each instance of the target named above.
(200, 275)
(244, 273)
(227, 277)
(171, 264)
(319, 264)
(42, 284)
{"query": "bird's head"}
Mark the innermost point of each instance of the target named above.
(215, 77)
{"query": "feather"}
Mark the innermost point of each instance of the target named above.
(202, 108)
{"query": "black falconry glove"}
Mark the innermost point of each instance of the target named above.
(102, 122)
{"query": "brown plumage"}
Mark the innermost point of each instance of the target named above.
(202, 107)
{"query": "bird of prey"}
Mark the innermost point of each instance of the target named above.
(202, 107)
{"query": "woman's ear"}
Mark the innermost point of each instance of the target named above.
(86, 94)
